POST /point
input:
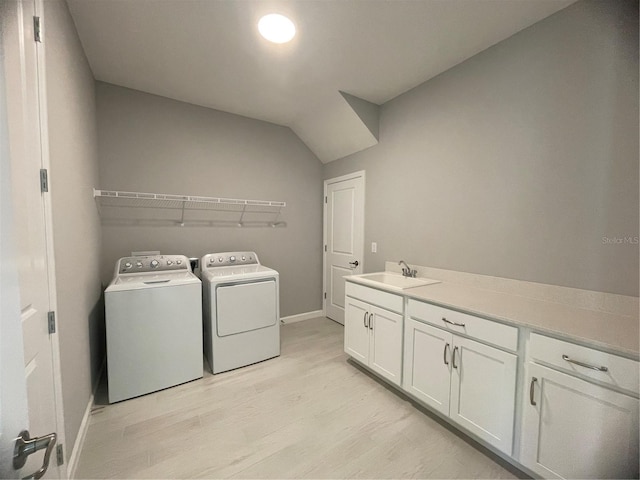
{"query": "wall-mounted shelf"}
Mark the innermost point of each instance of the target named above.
(138, 208)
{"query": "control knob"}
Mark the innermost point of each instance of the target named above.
(232, 259)
(220, 259)
(154, 263)
(127, 265)
(139, 264)
(169, 262)
(179, 262)
(244, 258)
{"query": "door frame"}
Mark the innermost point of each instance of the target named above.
(48, 219)
(327, 182)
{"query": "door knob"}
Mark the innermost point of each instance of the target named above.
(354, 264)
(26, 446)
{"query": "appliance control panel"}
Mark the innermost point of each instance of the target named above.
(227, 259)
(152, 263)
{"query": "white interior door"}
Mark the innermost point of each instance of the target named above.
(13, 389)
(25, 114)
(344, 238)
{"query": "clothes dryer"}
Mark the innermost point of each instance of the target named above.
(241, 310)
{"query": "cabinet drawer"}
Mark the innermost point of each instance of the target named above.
(621, 372)
(375, 297)
(495, 333)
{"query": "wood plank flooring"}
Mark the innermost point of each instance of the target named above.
(306, 414)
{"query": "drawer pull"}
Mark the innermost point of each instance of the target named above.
(585, 365)
(455, 324)
(446, 347)
(365, 319)
(531, 388)
(371, 321)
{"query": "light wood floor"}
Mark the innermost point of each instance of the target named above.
(306, 414)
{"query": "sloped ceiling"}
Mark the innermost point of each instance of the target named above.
(348, 55)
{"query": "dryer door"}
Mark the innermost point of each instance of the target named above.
(246, 306)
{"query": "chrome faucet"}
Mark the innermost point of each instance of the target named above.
(407, 272)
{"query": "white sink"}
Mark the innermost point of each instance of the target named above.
(395, 280)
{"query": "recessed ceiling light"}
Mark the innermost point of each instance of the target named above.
(276, 28)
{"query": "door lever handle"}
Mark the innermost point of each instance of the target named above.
(354, 264)
(26, 446)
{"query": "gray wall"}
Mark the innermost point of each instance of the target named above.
(152, 144)
(517, 162)
(76, 225)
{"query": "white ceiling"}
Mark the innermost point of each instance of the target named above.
(209, 53)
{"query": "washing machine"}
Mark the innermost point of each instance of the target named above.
(153, 310)
(241, 310)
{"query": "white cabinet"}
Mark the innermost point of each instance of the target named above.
(427, 364)
(385, 348)
(373, 335)
(356, 330)
(573, 428)
(483, 389)
(578, 407)
(472, 383)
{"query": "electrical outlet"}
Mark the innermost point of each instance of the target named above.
(374, 247)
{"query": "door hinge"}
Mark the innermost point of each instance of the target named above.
(51, 317)
(37, 30)
(325, 248)
(325, 199)
(60, 454)
(325, 295)
(44, 180)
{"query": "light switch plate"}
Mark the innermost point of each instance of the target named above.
(374, 247)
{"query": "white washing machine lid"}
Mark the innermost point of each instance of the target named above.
(237, 273)
(151, 280)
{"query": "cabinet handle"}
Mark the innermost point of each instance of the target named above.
(531, 391)
(371, 321)
(365, 320)
(455, 324)
(453, 357)
(585, 365)
(446, 347)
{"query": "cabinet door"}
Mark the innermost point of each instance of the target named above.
(577, 429)
(356, 330)
(386, 344)
(427, 364)
(483, 388)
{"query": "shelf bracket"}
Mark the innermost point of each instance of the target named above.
(244, 209)
(182, 215)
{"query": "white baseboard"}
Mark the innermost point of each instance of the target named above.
(302, 316)
(84, 427)
(82, 434)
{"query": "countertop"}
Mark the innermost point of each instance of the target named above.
(614, 333)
